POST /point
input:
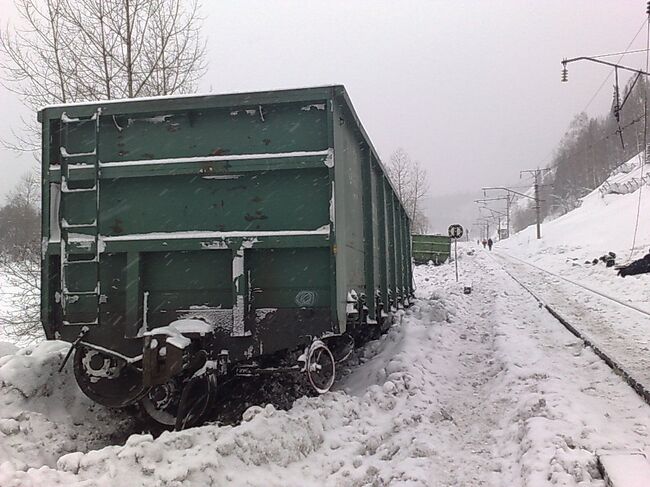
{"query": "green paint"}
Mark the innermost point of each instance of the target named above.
(431, 247)
(241, 229)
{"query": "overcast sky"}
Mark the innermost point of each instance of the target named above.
(470, 89)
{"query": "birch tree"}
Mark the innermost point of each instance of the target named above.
(412, 187)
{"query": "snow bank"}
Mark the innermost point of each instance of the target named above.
(7, 348)
(43, 414)
(603, 223)
(464, 390)
(376, 429)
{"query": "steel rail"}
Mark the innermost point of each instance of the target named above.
(618, 369)
(586, 288)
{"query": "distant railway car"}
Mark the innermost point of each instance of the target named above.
(190, 239)
(434, 248)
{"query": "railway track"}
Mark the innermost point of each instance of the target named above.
(586, 288)
(612, 352)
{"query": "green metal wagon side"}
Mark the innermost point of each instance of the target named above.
(434, 248)
(223, 226)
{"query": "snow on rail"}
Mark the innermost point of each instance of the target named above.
(622, 469)
(613, 337)
(587, 288)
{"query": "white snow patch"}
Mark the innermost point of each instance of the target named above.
(230, 157)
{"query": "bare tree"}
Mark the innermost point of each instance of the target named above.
(20, 261)
(419, 191)
(20, 287)
(65, 51)
(411, 184)
(399, 171)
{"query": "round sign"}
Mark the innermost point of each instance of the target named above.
(455, 231)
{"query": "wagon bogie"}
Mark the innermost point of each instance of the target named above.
(213, 232)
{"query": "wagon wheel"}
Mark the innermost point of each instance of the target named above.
(160, 404)
(107, 379)
(320, 368)
(196, 401)
(180, 404)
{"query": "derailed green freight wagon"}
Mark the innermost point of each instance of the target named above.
(190, 239)
(434, 248)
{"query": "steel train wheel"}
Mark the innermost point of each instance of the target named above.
(160, 403)
(320, 367)
(180, 404)
(107, 379)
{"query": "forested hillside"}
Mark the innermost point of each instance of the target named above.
(589, 151)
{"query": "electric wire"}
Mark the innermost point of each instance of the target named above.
(621, 129)
(591, 100)
(619, 53)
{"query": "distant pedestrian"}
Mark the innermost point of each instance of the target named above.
(484, 242)
(490, 243)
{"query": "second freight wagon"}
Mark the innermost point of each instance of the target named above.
(431, 248)
(189, 239)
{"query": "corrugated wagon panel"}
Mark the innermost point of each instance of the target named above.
(435, 248)
(256, 201)
(379, 219)
(349, 156)
(252, 129)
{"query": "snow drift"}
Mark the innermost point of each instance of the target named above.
(605, 222)
(43, 414)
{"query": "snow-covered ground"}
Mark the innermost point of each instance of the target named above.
(605, 222)
(467, 390)
(480, 389)
(600, 225)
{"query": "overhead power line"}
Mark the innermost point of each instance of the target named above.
(591, 100)
(622, 53)
(598, 90)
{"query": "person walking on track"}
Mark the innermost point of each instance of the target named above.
(490, 243)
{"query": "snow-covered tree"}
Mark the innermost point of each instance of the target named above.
(20, 259)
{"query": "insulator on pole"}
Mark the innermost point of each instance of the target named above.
(565, 74)
(615, 106)
(647, 10)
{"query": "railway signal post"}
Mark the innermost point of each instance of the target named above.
(455, 232)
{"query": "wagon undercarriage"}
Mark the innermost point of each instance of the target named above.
(177, 388)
